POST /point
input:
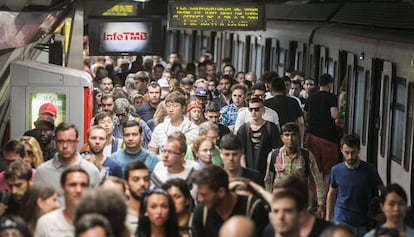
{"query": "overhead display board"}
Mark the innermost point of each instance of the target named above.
(213, 15)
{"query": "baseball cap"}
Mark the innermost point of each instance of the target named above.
(48, 108)
(163, 83)
(45, 119)
(200, 91)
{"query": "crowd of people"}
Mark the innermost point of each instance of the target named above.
(197, 152)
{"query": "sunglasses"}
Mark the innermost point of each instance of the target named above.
(256, 109)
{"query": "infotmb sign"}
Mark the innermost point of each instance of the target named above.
(213, 15)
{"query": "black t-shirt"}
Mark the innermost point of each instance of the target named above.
(213, 221)
(253, 175)
(318, 227)
(320, 123)
(286, 107)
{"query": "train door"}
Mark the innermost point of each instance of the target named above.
(382, 70)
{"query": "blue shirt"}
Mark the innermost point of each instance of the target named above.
(354, 190)
(113, 168)
(146, 111)
(228, 116)
(123, 158)
(118, 133)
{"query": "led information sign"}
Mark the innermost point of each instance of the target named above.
(216, 15)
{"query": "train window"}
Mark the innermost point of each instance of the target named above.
(397, 122)
(366, 107)
(384, 120)
(359, 101)
(281, 62)
(409, 154)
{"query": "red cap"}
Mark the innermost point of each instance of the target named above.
(48, 108)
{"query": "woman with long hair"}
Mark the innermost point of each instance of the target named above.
(34, 155)
(39, 200)
(393, 202)
(180, 193)
(157, 217)
(203, 149)
(159, 116)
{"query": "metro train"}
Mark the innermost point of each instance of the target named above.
(367, 46)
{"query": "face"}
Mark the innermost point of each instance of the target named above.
(285, 216)
(205, 151)
(96, 231)
(166, 76)
(11, 233)
(195, 114)
(341, 233)
(252, 78)
(202, 100)
(173, 58)
(225, 87)
(18, 188)
(259, 94)
(157, 72)
(138, 182)
(66, 142)
(96, 141)
(10, 157)
(256, 110)
(106, 85)
(172, 158)
(290, 139)
(237, 97)
(231, 159)
(154, 94)
(28, 158)
(76, 183)
(122, 115)
(108, 105)
(295, 89)
(308, 85)
(98, 97)
(350, 155)
(212, 116)
(157, 209)
(394, 208)
(132, 138)
(227, 70)
(107, 124)
(138, 102)
(174, 110)
(240, 77)
(212, 135)
(210, 70)
(208, 196)
(287, 86)
(140, 85)
(44, 134)
(49, 204)
(177, 196)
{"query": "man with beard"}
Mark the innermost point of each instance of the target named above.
(17, 175)
(44, 127)
(225, 84)
(217, 203)
(137, 177)
(96, 143)
(351, 184)
(73, 182)
(67, 139)
(133, 149)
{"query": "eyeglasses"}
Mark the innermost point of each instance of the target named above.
(121, 115)
(256, 109)
(171, 152)
(69, 142)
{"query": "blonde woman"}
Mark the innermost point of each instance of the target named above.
(159, 116)
(34, 155)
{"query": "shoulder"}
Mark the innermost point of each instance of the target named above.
(51, 216)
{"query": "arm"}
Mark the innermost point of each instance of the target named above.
(320, 187)
(335, 113)
(301, 125)
(330, 203)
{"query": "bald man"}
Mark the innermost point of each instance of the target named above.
(237, 226)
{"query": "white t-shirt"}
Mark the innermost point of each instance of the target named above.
(53, 224)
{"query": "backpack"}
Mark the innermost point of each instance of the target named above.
(250, 207)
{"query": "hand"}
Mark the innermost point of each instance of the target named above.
(3, 208)
(321, 211)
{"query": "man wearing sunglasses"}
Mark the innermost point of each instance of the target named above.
(228, 114)
(258, 137)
